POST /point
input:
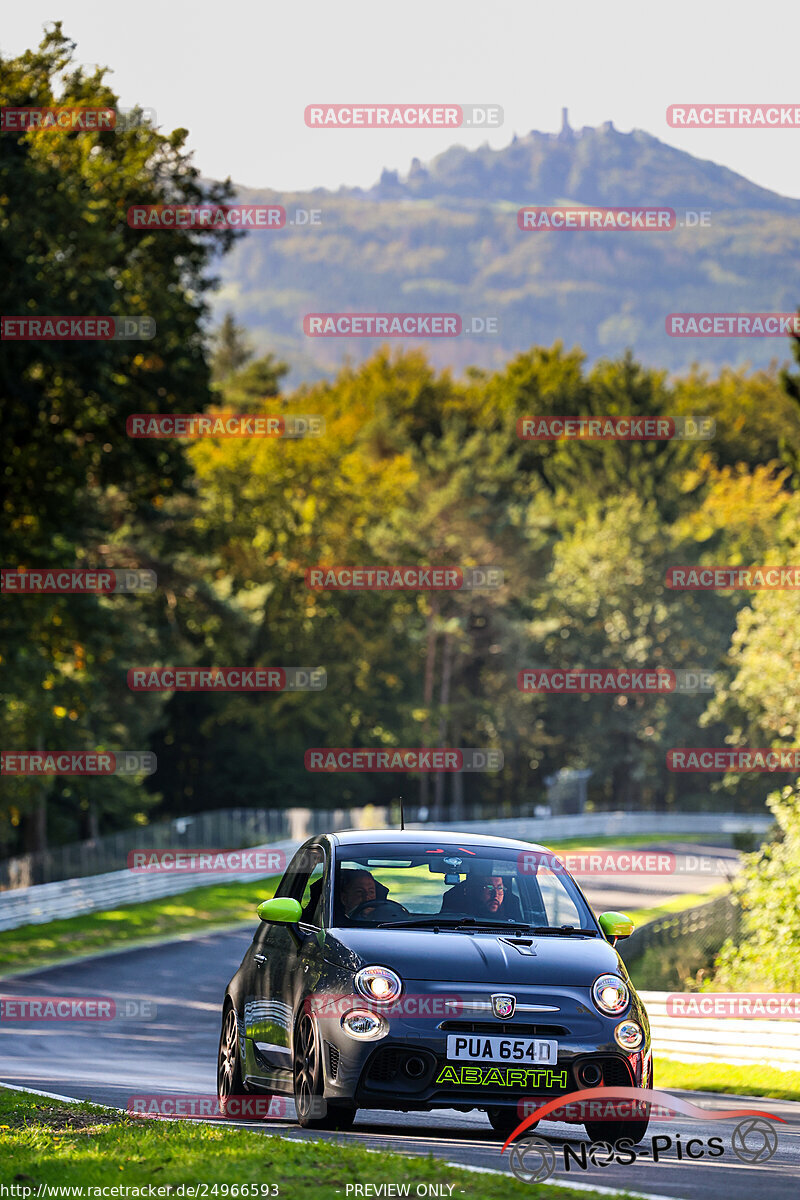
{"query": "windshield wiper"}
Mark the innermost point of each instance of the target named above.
(422, 922)
(455, 923)
(476, 923)
(562, 931)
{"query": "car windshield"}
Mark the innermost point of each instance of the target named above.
(377, 885)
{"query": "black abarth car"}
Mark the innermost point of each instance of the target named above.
(420, 969)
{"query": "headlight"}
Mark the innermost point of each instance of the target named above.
(364, 1025)
(629, 1035)
(610, 994)
(379, 983)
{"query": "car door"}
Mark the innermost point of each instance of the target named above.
(284, 959)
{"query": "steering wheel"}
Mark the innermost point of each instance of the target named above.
(369, 906)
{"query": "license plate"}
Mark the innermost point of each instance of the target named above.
(477, 1048)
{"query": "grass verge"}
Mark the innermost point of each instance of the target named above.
(639, 839)
(640, 916)
(47, 1141)
(755, 1080)
(205, 908)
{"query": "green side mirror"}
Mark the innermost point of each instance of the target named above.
(281, 908)
(615, 925)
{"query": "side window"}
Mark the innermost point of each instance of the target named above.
(304, 880)
(558, 905)
(312, 896)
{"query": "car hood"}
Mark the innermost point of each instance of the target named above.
(496, 958)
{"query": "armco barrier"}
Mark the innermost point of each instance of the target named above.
(622, 824)
(710, 923)
(248, 827)
(99, 893)
(774, 1043)
(95, 893)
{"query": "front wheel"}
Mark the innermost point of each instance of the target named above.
(229, 1064)
(313, 1112)
(616, 1131)
(505, 1120)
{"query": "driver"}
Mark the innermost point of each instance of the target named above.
(357, 888)
(483, 896)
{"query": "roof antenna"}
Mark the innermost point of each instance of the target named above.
(402, 815)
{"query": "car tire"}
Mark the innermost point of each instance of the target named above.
(313, 1111)
(505, 1120)
(616, 1131)
(229, 1063)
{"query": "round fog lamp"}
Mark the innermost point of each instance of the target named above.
(629, 1035)
(363, 1025)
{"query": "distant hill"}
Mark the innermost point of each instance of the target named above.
(445, 238)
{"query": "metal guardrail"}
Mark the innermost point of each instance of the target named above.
(102, 893)
(233, 828)
(741, 1041)
(95, 893)
(622, 824)
(710, 923)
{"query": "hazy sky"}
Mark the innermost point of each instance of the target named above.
(239, 76)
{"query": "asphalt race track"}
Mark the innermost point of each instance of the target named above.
(176, 1052)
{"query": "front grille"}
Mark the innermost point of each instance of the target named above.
(386, 1070)
(386, 1065)
(333, 1060)
(615, 1072)
(518, 1028)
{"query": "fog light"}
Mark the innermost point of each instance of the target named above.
(366, 1026)
(629, 1035)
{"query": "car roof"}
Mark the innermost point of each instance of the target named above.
(393, 837)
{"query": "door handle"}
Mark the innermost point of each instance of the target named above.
(259, 959)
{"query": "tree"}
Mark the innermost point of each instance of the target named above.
(765, 957)
(78, 491)
(231, 349)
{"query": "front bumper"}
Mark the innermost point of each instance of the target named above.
(408, 1068)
